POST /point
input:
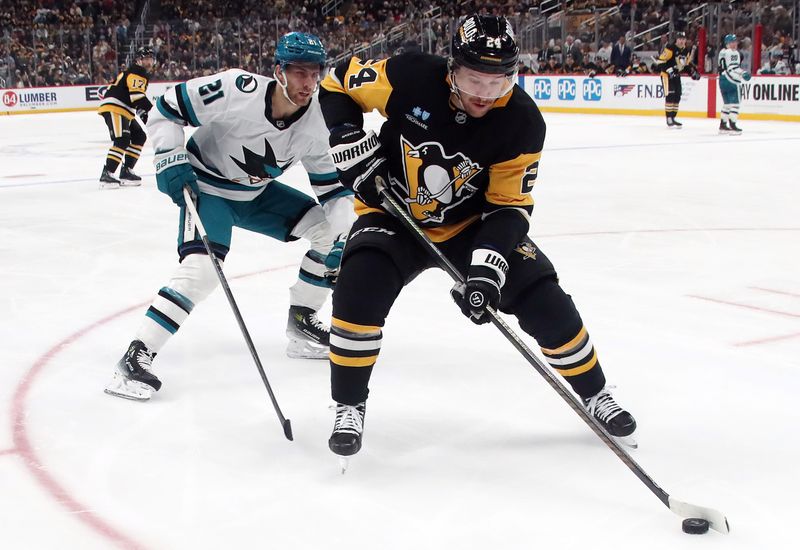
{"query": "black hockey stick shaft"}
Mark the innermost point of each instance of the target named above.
(392, 205)
(192, 211)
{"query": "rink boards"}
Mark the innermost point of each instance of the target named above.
(763, 98)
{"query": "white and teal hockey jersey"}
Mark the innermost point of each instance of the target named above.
(238, 148)
(729, 66)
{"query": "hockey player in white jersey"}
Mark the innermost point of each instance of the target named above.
(250, 130)
(731, 75)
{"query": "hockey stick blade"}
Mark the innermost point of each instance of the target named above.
(287, 429)
(716, 519)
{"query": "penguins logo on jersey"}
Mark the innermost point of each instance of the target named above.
(435, 181)
(527, 250)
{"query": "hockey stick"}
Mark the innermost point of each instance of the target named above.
(716, 519)
(192, 211)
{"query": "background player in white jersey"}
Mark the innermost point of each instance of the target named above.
(731, 75)
(250, 129)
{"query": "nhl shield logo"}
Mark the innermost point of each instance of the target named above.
(436, 181)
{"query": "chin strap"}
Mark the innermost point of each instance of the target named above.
(276, 73)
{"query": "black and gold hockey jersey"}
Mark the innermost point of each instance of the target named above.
(127, 94)
(675, 57)
(448, 168)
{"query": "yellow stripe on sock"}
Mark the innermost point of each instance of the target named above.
(352, 327)
(343, 361)
(575, 371)
(571, 344)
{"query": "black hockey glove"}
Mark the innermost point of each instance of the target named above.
(360, 168)
(485, 278)
(695, 75)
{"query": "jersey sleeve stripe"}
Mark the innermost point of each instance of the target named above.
(185, 105)
(168, 112)
(336, 193)
(323, 179)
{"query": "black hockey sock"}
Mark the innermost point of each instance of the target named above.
(132, 153)
(548, 314)
(113, 159)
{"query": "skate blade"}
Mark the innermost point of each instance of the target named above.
(628, 441)
(128, 389)
(130, 183)
(104, 186)
(344, 462)
(300, 349)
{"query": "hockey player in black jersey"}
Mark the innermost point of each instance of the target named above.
(676, 59)
(460, 149)
(123, 100)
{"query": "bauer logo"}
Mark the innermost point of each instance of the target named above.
(542, 89)
(592, 89)
(566, 89)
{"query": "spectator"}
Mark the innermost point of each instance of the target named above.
(570, 66)
(604, 52)
(552, 66)
(620, 55)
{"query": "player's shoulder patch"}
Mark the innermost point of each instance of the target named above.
(245, 82)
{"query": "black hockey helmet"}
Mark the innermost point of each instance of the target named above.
(144, 51)
(680, 35)
(485, 43)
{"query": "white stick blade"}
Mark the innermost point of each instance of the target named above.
(716, 519)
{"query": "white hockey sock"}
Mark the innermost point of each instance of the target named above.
(734, 116)
(726, 114)
(191, 283)
(311, 289)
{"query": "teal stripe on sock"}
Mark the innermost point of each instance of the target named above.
(161, 322)
(185, 302)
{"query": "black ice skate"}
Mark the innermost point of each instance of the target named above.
(673, 124)
(616, 421)
(107, 181)
(735, 130)
(133, 379)
(723, 127)
(308, 336)
(129, 179)
(345, 440)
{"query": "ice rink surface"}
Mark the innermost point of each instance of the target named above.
(680, 249)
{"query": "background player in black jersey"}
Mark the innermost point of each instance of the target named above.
(673, 61)
(123, 100)
(460, 149)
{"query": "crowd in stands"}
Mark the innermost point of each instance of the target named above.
(57, 42)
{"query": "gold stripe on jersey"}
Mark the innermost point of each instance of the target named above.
(117, 109)
(511, 181)
(365, 82)
(666, 55)
(436, 234)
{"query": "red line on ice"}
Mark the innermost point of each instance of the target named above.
(767, 340)
(24, 447)
(746, 306)
(773, 291)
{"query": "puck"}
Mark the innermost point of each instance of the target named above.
(695, 526)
